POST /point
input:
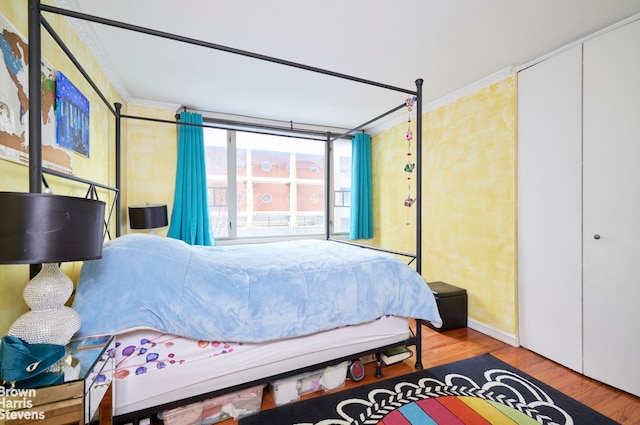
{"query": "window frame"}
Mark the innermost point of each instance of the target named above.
(328, 192)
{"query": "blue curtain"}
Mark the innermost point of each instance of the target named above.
(361, 220)
(190, 215)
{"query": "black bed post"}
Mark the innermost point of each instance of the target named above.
(419, 82)
(327, 186)
(35, 106)
(118, 107)
(419, 175)
(35, 101)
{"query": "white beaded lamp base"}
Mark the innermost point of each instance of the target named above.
(49, 320)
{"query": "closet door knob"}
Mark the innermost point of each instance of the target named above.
(596, 236)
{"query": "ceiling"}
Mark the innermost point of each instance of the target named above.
(449, 44)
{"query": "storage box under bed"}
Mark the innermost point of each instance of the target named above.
(235, 405)
(290, 389)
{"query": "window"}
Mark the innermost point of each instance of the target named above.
(278, 183)
(341, 160)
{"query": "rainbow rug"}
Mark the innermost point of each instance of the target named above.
(481, 390)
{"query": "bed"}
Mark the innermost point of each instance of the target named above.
(159, 341)
(148, 360)
(208, 319)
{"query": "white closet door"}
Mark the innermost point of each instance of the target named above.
(550, 208)
(612, 208)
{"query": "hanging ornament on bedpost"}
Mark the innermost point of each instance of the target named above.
(409, 166)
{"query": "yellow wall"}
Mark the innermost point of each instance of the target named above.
(394, 225)
(151, 159)
(99, 167)
(469, 202)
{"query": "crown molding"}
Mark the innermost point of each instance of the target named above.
(89, 39)
(153, 104)
(462, 92)
(580, 41)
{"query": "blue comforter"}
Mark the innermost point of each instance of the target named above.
(248, 293)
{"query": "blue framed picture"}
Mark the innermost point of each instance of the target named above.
(72, 116)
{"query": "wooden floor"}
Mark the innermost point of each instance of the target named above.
(446, 347)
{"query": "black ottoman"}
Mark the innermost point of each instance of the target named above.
(452, 304)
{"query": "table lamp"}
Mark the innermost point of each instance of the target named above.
(40, 228)
(148, 216)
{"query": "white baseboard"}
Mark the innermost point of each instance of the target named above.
(494, 333)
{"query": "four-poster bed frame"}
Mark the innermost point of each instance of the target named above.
(36, 21)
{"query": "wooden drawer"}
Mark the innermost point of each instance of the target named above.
(57, 405)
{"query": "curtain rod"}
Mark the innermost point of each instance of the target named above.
(286, 126)
(300, 134)
(261, 121)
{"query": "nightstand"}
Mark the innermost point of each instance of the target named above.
(79, 401)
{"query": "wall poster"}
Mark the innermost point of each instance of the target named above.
(72, 114)
(14, 105)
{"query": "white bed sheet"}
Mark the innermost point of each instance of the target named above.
(154, 368)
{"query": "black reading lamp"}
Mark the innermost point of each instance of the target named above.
(40, 228)
(148, 216)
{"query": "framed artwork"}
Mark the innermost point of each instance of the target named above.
(14, 104)
(72, 116)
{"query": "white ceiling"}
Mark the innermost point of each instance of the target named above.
(447, 43)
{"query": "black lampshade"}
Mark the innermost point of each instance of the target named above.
(41, 228)
(148, 216)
